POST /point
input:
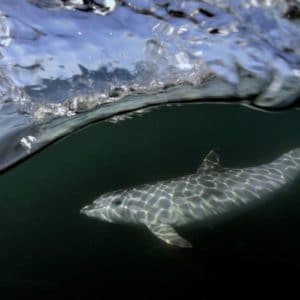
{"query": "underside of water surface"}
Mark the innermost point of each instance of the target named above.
(67, 63)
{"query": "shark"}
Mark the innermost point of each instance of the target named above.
(213, 190)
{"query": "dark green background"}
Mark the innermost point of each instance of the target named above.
(47, 247)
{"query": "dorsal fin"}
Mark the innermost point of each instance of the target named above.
(211, 161)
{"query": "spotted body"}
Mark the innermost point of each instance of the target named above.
(212, 190)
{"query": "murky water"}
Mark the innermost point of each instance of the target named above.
(67, 64)
(48, 247)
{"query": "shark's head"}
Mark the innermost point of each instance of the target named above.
(115, 207)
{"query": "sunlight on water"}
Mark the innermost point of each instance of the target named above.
(138, 89)
(63, 61)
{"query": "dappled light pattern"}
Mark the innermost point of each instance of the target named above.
(213, 191)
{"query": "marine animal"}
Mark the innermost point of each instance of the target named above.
(212, 191)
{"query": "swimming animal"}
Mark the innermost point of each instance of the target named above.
(213, 190)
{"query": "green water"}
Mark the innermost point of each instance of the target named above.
(47, 247)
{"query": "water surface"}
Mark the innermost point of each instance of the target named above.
(65, 64)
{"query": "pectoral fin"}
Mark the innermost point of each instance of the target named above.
(168, 234)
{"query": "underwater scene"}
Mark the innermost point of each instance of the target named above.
(149, 144)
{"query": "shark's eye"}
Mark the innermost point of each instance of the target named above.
(117, 202)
